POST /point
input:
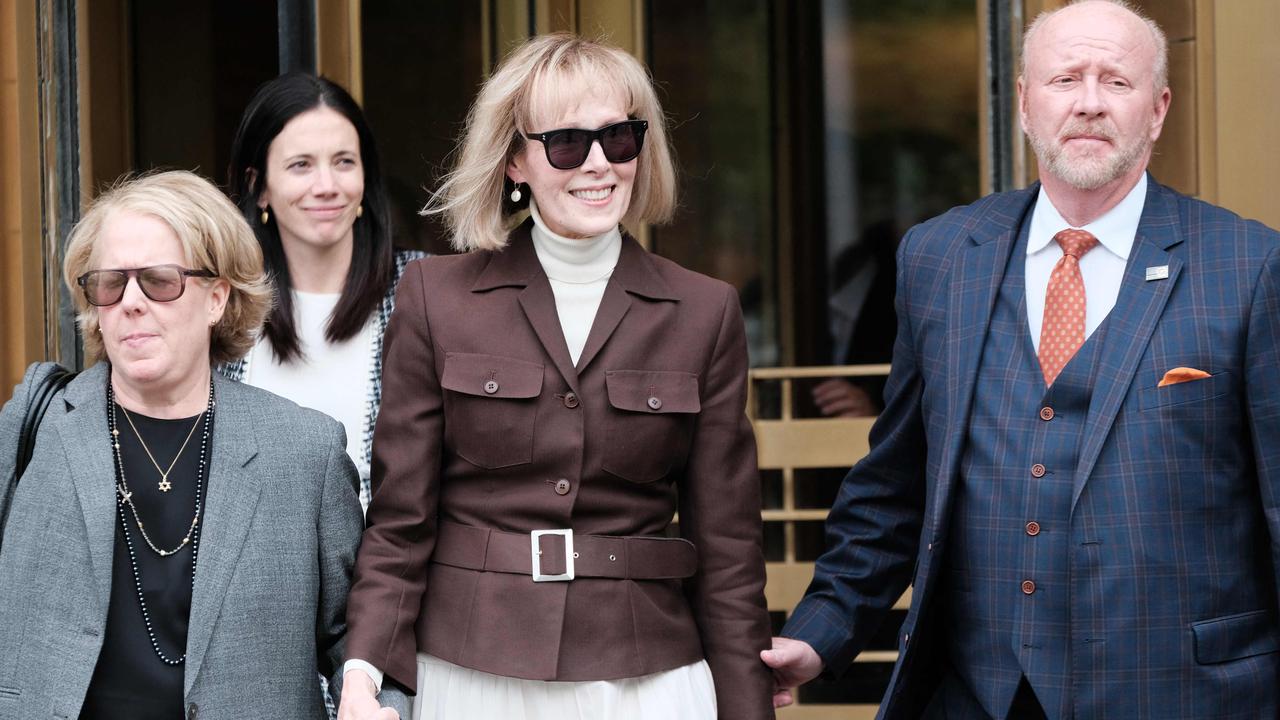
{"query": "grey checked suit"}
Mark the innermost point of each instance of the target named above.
(280, 531)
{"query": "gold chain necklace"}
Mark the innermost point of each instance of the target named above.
(164, 485)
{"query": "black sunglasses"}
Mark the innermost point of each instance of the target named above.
(568, 148)
(161, 283)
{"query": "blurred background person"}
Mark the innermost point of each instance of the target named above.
(177, 539)
(558, 376)
(305, 173)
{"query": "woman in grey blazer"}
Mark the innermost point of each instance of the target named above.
(180, 545)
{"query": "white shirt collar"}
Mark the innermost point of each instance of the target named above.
(1115, 230)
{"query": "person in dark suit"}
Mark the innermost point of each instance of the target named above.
(1078, 466)
(552, 397)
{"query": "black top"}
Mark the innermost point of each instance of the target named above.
(130, 681)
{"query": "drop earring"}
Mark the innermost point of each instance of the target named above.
(515, 194)
(265, 216)
(360, 211)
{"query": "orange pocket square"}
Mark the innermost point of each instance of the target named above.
(1181, 375)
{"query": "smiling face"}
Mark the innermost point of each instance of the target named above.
(154, 346)
(1087, 99)
(315, 181)
(588, 200)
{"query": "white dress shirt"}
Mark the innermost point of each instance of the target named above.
(1102, 267)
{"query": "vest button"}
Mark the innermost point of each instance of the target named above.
(1037, 470)
(491, 387)
(1046, 413)
(562, 487)
(1033, 528)
(1028, 587)
(571, 400)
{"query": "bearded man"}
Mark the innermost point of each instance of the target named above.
(1078, 464)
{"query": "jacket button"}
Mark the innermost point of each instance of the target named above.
(1028, 587)
(655, 403)
(562, 487)
(571, 400)
(1033, 528)
(1046, 413)
(1037, 470)
(191, 711)
(491, 387)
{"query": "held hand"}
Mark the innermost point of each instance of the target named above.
(360, 701)
(837, 397)
(794, 663)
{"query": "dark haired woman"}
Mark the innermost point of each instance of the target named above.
(305, 173)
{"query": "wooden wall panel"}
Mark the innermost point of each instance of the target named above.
(1245, 79)
(21, 293)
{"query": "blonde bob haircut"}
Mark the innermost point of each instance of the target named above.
(539, 79)
(214, 236)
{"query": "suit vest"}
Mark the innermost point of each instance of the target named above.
(1006, 606)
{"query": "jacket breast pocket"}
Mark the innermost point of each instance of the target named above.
(1186, 392)
(648, 422)
(1233, 637)
(490, 408)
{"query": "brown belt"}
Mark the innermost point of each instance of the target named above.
(601, 556)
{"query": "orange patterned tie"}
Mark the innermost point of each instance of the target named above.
(1062, 332)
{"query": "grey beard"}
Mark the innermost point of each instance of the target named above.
(1087, 173)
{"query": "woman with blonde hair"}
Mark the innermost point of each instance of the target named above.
(176, 538)
(549, 406)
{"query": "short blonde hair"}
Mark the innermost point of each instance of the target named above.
(1159, 71)
(548, 71)
(214, 236)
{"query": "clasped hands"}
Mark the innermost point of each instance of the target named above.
(794, 663)
(360, 699)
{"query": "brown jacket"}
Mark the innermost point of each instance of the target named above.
(486, 423)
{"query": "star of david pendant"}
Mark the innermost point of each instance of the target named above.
(165, 485)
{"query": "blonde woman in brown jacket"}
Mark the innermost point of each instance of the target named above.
(551, 398)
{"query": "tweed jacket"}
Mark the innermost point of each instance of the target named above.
(239, 369)
(1175, 500)
(279, 536)
(487, 423)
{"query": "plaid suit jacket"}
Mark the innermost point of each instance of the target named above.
(1175, 513)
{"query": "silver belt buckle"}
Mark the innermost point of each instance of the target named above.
(536, 555)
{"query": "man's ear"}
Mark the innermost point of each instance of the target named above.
(1022, 103)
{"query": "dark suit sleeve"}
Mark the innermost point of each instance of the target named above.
(720, 514)
(391, 570)
(1262, 391)
(873, 530)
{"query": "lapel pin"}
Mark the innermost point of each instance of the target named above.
(1157, 272)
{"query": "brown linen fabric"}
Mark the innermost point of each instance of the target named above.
(485, 422)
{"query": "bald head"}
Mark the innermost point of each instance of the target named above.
(1105, 10)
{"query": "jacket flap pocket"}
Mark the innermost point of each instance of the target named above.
(491, 376)
(653, 391)
(1213, 386)
(1233, 637)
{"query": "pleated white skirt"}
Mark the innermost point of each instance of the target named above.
(451, 692)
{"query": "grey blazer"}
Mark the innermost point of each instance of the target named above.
(280, 531)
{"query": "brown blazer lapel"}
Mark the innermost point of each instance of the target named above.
(634, 275)
(539, 306)
(517, 266)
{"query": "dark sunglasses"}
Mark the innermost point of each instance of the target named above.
(161, 283)
(568, 148)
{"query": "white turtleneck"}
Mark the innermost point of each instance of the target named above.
(578, 270)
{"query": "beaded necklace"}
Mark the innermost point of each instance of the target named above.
(125, 497)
